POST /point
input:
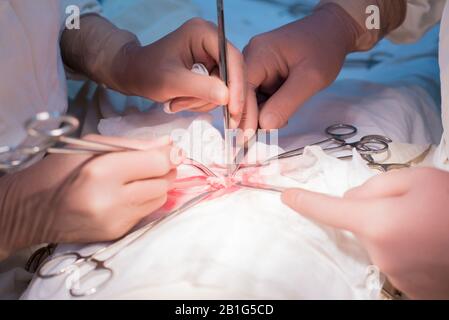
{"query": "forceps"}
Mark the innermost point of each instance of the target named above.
(70, 263)
(261, 186)
(371, 144)
(385, 167)
(49, 139)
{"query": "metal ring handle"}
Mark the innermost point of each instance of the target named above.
(341, 131)
(12, 164)
(377, 137)
(363, 147)
(56, 261)
(68, 126)
(90, 290)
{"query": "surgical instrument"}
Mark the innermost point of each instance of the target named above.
(370, 144)
(70, 262)
(261, 186)
(385, 167)
(38, 127)
(243, 152)
(223, 66)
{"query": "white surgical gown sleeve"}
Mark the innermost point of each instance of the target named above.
(421, 16)
(442, 156)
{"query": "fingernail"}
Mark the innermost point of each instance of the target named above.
(270, 121)
(167, 108)
(200, 68)
(240, 105)
(234, 123)
(177, 156)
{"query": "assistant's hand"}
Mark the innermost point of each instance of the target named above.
(77, 198)
(162, 71)
(402, 218)
(291, 64)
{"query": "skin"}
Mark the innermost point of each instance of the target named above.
(402, 217)
(79, 198)
(85, 199)
(172, 58)
(161, 71)
(291, 64)
(402, 222)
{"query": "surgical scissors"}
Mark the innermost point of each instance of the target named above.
(71, 263)
(63, 126)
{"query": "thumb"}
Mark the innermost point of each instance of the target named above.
(207, 88)
(296, 90)
(336, 212)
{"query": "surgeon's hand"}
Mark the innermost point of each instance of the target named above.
(402, 218)
(162, 71)
(79, 198)
(289, 65)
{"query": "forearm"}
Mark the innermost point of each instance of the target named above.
(391, 14)
(97, 50)
(8, 222)
(22, 222)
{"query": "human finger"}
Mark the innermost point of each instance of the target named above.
(336, 212)
(132, 166)
(390, 184)
(143, 191)
(297, 89)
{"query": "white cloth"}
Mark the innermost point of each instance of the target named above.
(252, 251)
(443, 161)
(421, 15)
(260, 249)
